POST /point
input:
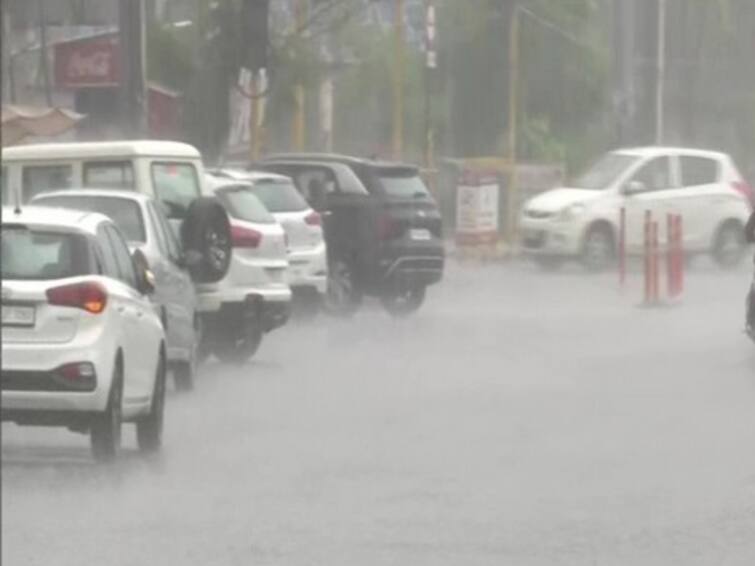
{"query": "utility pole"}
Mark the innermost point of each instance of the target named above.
(660, 78)
(299, 126)
(43, 67)
(513, 192)
(398, 81)
(131, 37)
(431, 64)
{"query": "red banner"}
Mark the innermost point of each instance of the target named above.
(87, 63)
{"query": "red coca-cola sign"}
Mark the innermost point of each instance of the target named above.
(91, 62)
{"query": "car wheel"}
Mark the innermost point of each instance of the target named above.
(241, 348)
(342, 297)
(149, 429)
(598, 248)
(403, 303)
(206, 232)
(106, 427)
(729, 247)
(306, 305)
(183, 374)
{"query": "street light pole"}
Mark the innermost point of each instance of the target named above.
(430, 65)
(513, 193)
(660, 72)
(398, 81)
(299, 126)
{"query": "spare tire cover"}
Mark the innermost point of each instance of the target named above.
(206, 231)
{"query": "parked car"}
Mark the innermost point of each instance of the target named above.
(382, 228)
(82, 346)
(254, 297)
(307, 253)
(143, 223)
(170, 172)
(581, 222)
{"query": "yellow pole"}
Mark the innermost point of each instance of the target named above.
(254, 122)
(513, 191)
(398, 82)
(299, 126)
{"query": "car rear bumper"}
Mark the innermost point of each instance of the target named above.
(308, 268)
(272, 307)
(213, 301)
(29, 384)
(413, 265)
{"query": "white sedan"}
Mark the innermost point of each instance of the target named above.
(82, 345)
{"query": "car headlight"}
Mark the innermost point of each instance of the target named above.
(571, 212)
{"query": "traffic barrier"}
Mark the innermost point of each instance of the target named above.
(622, 247)
(674, 257)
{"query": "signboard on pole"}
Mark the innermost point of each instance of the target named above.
(91, 62)
(477, 211)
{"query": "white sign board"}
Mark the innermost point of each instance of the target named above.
(477, 213)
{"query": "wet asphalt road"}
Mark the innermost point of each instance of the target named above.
(520, 418)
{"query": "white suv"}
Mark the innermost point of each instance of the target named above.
(582, 221)
(82, 345)
(307, 253)
(254, 297)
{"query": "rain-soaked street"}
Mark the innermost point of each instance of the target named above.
(520, 418)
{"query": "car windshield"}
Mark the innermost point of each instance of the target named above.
(241, 203)
(605, 171)
(42, 254)
(126, 213)
(279, 195)
(403, 184)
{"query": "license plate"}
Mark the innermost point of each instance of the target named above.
(18, 316)
(420, 234)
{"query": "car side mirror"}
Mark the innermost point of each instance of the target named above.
(145, 279)
(634, 187)
(149, 282)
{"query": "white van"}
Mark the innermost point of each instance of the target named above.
(170, 172)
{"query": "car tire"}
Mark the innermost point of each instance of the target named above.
(400, 304)
(598, 248)
(206, 234)
(149, 428)
(105, 433)
(306, 305)
(183, 374)
(342, 297)
(240, 348)
(729, 246)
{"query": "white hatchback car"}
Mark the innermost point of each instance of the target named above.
(82, 345)
(144, 225)
(582, 221)
(307, 253)
(254, 297)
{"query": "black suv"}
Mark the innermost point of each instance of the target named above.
(382, 227)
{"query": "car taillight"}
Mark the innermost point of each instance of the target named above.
(81, 375)
(745, 189)
(387, 227)
(244, 237)
(89, 296)
(76, 371)
(313, 219)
